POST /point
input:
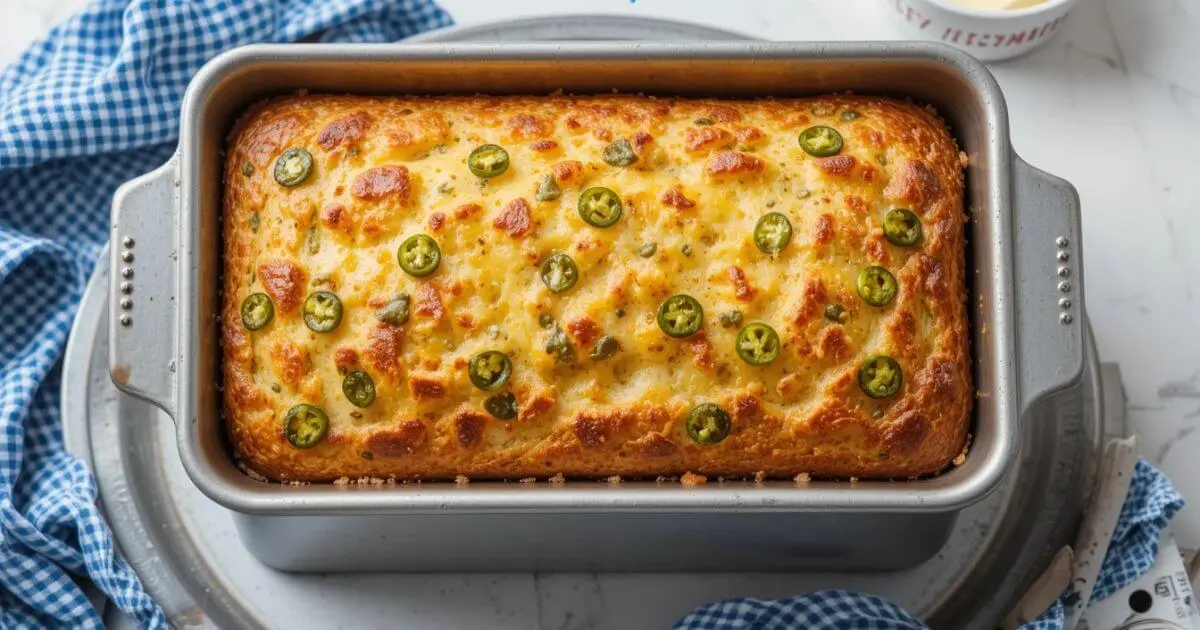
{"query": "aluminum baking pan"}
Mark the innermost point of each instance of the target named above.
(1025, 295)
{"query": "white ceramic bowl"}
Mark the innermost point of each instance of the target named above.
(988, 35)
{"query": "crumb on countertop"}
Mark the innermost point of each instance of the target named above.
(692, 479)
(802, 478)
(529, 480)
(558, 479)
(462, 480)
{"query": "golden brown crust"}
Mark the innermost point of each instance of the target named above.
(386, 168)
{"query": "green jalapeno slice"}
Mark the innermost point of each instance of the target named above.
(559, 346)
(606, 347)
(835, 313)
(880, 376)
(359, 389)
(772, 232)
(501, 406)
(876, 286)
(305, 425)
(322, 311)
(730, 319)
(489, 370)
(599, 207)
(419, 255)
(559, 272)
(548, 189)
(293, 167)
(257, 311)
(394, 312)
(680, 316)
(821, 141)
(707, 424)
(901, 227)
(488, 160)
(758, 344)
(619, 153)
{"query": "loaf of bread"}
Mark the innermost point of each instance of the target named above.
(515, 287)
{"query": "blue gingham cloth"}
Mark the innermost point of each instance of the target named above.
(93, 104)
(1148, 507)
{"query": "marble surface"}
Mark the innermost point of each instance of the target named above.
(1111, 103)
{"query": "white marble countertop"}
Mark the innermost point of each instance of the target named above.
(1111, 104)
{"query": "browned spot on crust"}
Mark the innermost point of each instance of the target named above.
(468, 427)
(525, 126)
(654, 445)
(906, 433)
(382, 182)
(749, 136)
(284, 281)
(741, 287)
(734, 163)
(383, 346)
(584, 330)
(429, 301)
(464, 320)
(398, 442)
(536, 406)
(701, 348)
(940, 380)
(593, 428)
(746, 406)
(833, 344)
(903, 329)
(788, 385)
(344, 131)
(262, 142)
(417, 132)
(467, 210)
(291, 361)
(914, 182)
(543, 146)
(567, 171)
(426, 388)
(823, 230)
(838, 165)
(874, 248)
(436, 221)
(334, 217)
(641, 140)
(516, 218)
(696, 139)
(857, 206)
(675, 198)
(814, 300)
(724, 113)
(345, 358)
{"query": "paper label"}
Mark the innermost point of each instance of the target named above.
(1160, 600)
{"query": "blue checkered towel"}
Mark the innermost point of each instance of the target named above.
(1148, 507)
(93, 104)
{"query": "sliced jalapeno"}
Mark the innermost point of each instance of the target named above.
(707, 424)
(758, 344)
(322, 311)
(293, 167)
(559, 272)
(419, 255)
(849, 115)
(599, 206)
(394, 312)
(501, 406)
(772, 232)
(648, 250)
(257, 311)
(619, 153)
(548, 189)
(680, 316)
(489, 370)
(835, 313)
(305, 425)
(821, 141)
(488, 160)
(606, 347)
(901, 227)
(730, 319)
(559, 345)
(359, 389)
(876, 286)
(880, 376)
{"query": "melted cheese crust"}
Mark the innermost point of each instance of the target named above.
(387, 168)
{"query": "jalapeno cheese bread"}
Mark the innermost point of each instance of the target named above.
(513, 287)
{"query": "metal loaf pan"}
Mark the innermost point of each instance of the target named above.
(1025, 305)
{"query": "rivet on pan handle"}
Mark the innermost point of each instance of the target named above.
(1049, 275)
(142, 285)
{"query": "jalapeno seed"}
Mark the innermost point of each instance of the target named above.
(619, 153)
(901, 227)
(395, 312)
(758, 344)
(419, 255)
(359, 389)
(707, 424)
(322, 311)
(880, 376)
(501, 406)
(305, 425)
(876, 286)
(559, 272)
(489, 370)
(836, 313)
(548, 189)
(488, 160)
(599, 207)
(680, 316)
(730, 319)
(606, 347)
(293, 167)
(772, 232)
(821, 141)
(257, 311)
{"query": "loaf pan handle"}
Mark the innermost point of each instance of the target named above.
(142, 287)
(1049, 275)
